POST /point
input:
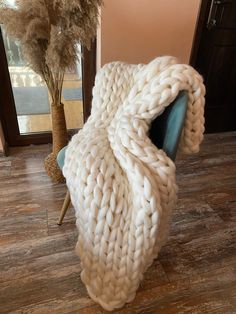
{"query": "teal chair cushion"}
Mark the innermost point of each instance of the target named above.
(165, 130)
(61, 157)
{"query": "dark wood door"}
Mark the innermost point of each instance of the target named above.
(214, 56)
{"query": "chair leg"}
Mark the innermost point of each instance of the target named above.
(64, 208)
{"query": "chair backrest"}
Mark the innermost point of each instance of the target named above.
(166, 129)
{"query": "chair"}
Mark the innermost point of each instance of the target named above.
(165, 133)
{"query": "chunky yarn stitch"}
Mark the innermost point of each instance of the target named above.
(123, 187)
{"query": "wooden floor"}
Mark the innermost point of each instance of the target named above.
(194, 273)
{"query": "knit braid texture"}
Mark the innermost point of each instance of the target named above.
(122, 187)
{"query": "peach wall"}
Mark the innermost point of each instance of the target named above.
(139, 30)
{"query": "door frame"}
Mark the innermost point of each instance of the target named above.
(89, 68)
(8, 115)
(198, 31)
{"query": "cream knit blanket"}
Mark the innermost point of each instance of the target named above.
(122, 187)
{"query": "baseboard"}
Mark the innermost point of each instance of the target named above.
(5, 151)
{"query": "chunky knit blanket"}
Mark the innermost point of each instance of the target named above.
(123, 187)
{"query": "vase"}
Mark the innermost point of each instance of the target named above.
(59, 140)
